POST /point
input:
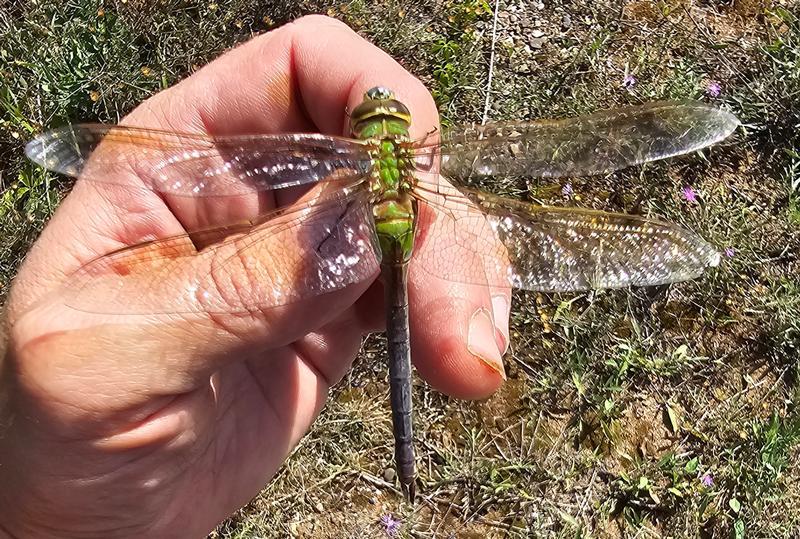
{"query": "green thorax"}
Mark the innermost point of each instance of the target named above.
(383, 121)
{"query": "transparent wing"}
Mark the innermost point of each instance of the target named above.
(192, 164)
(285, 256)
(483, 239)
(593, 144)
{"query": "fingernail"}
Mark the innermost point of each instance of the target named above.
(500, 317)
(482, 343)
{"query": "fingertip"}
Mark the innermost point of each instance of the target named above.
(454, 347)
(458, 373)
(483, 341)
(317, 21)
(500, 314)
(335, 65)
(299, 77)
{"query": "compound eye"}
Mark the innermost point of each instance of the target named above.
(379, 92)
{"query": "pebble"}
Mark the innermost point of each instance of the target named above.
(537, 42)
(389, 474)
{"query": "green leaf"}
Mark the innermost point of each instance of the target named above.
(569, 519)
(785, 15)
(674, 419)
(691, 466)
(735, 505)
(608, 405)
(738, 529)
(576, 379)
(681, 351)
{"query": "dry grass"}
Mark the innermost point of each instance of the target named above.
(616, 408)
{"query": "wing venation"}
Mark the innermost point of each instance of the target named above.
(482, 239)
(196, 165)
(598, 143)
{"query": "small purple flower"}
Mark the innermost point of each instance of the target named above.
(713, 89)
(567, 190)
(629, 81)
(390, 525)
(689, 194)
(729, 252)
(707, 479)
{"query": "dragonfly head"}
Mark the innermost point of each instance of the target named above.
(379, 92)
(379, 106)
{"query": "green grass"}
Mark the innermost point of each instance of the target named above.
(617, 403)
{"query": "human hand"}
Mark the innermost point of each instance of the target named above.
(163, 426)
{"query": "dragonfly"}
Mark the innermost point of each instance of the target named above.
(366, 219)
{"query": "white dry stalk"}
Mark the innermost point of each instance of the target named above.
(491, 63)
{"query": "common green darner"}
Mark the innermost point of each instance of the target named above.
(371, 192)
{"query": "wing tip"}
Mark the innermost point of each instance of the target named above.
(49, 150)
(714, 259)
(725, 121)
(730, 122)
(33, 150)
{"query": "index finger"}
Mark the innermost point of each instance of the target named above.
(301, 77)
